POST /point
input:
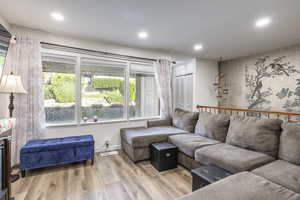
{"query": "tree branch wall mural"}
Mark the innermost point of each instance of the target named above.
(267, 68)
(268, 81)
(292, 103)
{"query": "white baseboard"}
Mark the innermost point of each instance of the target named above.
(111, 148)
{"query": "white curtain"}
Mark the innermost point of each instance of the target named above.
(163, 74)
(24, 59)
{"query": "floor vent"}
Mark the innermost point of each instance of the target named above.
(109, 153)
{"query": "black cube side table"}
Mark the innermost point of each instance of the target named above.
(164, 156)
(206, 175)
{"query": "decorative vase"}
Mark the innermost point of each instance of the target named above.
(85, 119)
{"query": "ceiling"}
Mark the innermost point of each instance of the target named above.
(225, 28)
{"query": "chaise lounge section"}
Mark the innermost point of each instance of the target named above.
(136, 141)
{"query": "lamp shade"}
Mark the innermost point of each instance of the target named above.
(12, 84)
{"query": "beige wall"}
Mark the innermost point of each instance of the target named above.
(103, 131)
(278, 84)
(4, 23)
(206, 73)
(89, 44)
(100, 132)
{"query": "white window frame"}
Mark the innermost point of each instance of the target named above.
(79, 56)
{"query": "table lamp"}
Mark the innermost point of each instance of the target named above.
(11, 84)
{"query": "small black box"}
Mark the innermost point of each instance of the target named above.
(164, 156)
(206, 175)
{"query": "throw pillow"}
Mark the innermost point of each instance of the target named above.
(185, 120)
(289, 146)
(214, 126)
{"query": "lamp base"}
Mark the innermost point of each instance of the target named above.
(11, 104)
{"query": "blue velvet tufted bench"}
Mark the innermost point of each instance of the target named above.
(50, 152)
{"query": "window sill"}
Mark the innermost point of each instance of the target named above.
(143, 118)
(101, 122)
(60, 125)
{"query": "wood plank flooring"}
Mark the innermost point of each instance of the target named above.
(110, 178)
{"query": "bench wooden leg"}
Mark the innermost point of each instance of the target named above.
(23, 173)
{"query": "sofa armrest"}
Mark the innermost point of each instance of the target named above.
(159, 122)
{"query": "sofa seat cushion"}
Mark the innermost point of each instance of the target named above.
(242, 186)
(143, 137)
(232, 158)
(214, 126)
(282, 173)
(57, 143)
(189, 143)
(254, 133)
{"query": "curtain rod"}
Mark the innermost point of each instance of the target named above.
(103, 52)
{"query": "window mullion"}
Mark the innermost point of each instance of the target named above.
(78, 91)
(126, 102)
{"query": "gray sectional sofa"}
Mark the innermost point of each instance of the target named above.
(263, 154)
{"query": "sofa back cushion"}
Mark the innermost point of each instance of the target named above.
(185, 120)
(214, 126)
(289, 145)
(256, 134)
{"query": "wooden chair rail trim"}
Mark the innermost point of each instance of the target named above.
(250, 110)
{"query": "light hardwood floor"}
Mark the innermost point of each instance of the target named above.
(110, 178)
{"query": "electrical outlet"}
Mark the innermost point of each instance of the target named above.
(107, 143)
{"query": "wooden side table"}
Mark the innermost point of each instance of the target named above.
(206, 175)
(5, 193)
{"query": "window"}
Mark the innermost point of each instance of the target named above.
(3, 50)
(83, 89)
(2, 59)
(59, 88)
(143, 99)
(102, 90)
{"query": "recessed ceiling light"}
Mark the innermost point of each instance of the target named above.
(57, 16)
(143, 34)
(263, 22)
(198, 47)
